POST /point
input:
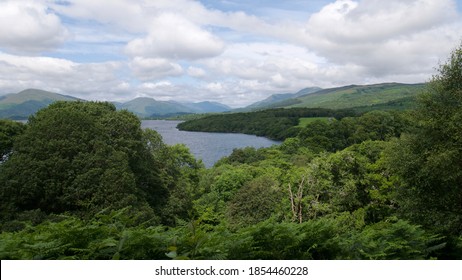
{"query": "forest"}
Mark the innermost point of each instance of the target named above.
(82, 180)
(277, 124)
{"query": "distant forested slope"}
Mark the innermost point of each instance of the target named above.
(277, 124)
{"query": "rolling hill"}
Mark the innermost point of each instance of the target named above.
(363, 97)
(358, 96)
(27, 102)
(146, 107)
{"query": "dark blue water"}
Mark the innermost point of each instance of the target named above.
(209, 147)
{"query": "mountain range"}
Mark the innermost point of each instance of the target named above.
(378, 96)
(25, 103)
(146, 107)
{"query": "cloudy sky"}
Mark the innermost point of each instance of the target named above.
(231, 51)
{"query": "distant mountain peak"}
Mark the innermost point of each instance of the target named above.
(142, 98)
(27, 102)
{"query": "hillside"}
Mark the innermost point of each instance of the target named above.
(208, 107)
(276, 124)
(357, 96)
(146, 107)
(27, 102)
(275, 100)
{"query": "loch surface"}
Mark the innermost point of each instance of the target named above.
(209, 147)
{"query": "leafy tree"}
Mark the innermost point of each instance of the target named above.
(346, 181)
(337, 135)
(256, 201)
(183, 172)
(245, 155)
(429, 159)
(81, 157)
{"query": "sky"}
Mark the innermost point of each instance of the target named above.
(235, 52)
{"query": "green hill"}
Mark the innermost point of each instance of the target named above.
(146, 107)
(280, 100)
(357, 96)
(25, 103)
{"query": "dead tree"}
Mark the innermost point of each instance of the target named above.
(296, 202)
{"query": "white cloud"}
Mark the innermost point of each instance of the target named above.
(274, 64)
(196, 72)
(128, 15)
(164, 90)
(187, 50)
(90, 80)
(29, 27)
(154, 68)
(172, 36)
(385, 37)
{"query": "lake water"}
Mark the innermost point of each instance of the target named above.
(209, 147)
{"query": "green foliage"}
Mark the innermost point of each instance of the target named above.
(390, 240)
(9, 130)
(245, 155)
(354, 96)
(400, 104)
(346, 181)
(286, 241)
(337, 135)
(302, 122)
(230, 180)
(254, 202)
(81, 157)
(428, 159)
(182, 172)
(277, 124)
(109, 235)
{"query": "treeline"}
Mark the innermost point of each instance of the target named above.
(277, 124)
(84, 181)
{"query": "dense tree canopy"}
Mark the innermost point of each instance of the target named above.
(81, 157)
(276, 124)
(429, 159)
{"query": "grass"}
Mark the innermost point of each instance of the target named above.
(305, 121)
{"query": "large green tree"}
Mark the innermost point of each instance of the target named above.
(82, 157)
(429, 160)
